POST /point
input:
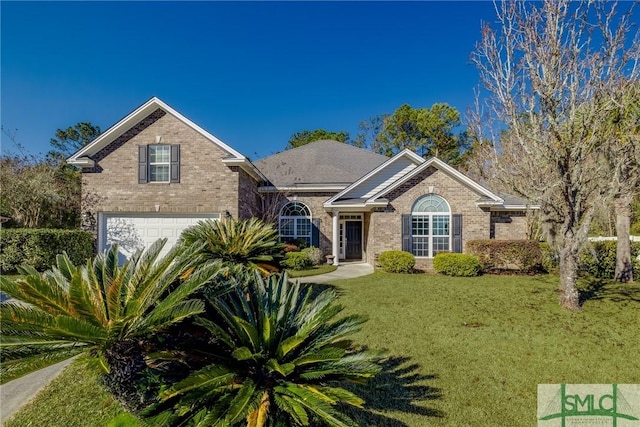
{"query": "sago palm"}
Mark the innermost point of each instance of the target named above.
(102, 307)
(248, 242)
(281, 359)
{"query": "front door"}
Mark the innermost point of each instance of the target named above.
(353, 239)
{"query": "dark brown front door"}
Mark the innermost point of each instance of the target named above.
(354, 239)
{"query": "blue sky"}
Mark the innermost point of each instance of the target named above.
(251, 73)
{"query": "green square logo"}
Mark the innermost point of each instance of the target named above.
(601, 405)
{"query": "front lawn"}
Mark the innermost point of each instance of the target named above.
(312, 271)
(462, 351)
(471, 351)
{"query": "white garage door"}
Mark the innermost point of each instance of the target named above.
(135, 231)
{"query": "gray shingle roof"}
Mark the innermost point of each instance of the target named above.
(514, 200)
(323, 162)
(509, 200)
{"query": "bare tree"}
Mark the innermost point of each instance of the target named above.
(621, 152)
(544, 70)
(269, 205)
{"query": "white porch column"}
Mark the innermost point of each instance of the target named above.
(336, 237)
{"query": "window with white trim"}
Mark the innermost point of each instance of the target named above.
(159, 163)
(295, 222)
(430, 226)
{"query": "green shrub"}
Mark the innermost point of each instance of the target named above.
(315, 255)
(397, 261)
(296, 261)
(518, 256)
(600, 260)
(454, 264)
(38, 247)
(549, 258)
(300, 243)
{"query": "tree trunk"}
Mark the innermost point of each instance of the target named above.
(126, 365)
(624, 268)
(568, 269)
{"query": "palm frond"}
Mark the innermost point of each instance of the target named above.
(209, 377)
(293, 408)
(38, 289)
(245, 401)
(317, 403)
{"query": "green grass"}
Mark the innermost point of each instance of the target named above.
(461, 351)
(471, 351)
(312, 271)
(74, 398)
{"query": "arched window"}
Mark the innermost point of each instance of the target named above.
(295, 222)
(430, 226)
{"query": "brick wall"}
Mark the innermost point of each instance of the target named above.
(248, 202)
(386, 226)
(206, 184)
(509, 225)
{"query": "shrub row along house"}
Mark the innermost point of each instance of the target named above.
(155, 172)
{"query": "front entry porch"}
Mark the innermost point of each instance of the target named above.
(348, 237)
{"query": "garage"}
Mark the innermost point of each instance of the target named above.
(132, 231)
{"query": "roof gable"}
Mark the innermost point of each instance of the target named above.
(83, 156)
(320, 164)
(483, 192)
(370, 190)
(380, 178)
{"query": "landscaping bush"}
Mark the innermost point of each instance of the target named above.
(517, 256)
(296, 261)
(397, 261)
(38, 247)
(289, 247)
(300, 243)
(550, 258)
(455, 264)
(315, 255)
(600, 260)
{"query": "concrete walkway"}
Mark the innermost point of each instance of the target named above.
(345, 271)
(15, 394)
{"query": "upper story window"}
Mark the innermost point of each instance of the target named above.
(159, 163)
(295, 222)
(430, 226)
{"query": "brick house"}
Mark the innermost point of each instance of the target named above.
(155, 172)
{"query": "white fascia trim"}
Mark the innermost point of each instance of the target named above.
(273, 189)
(134, 117)
(247, 166)
(84, 162)
(516, 208)
(488, 204)
(365, 205)
(408, 153)
(447, 169)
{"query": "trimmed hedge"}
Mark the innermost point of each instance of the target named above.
(600, 260)
(315, 255)
(517, 256)
(38, 247)
(455, 264)
(296, 261)
(397, 261)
